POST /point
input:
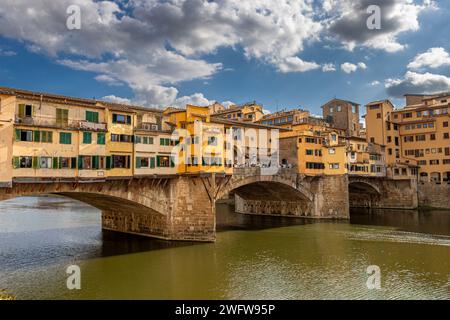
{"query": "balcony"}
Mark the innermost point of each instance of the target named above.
(49, 122)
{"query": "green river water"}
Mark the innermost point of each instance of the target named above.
(253, 257)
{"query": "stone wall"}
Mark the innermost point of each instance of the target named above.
(330, 196)
(434, 195)
(267, 207)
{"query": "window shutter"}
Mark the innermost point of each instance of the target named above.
(33, 110)
(60, 163)
(95, 162)
(114, 118)
(73, 164)
(95, 118)
(138, 162)
(21, 110)
(50, 137)
(80, 162)
(158, 161)
(152, 162)
(109, 163)
(172, 162)
(55, 163)
(161, 141)
(128, 119)
(35, 163)
(16, 162)
(18, 134)
(37, 136)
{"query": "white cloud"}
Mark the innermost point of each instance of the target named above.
(7, 53)
(362, 65)
(115, 99)
(347, 21)
(433, 58)
(153, 45)
(227, 104)
(375, 83)
(328, 67)
(348, 67)
(412, 82)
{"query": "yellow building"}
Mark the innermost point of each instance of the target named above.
(365, 158)
(251, 111)
(285, 119)
(419, 132)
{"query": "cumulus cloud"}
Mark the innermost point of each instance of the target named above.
(328, 67)
(153, 45)
(375, 83)
(348, 67)
(412, 82)
(433, 58)
(116, 99)
(347, 21)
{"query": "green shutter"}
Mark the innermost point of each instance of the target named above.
(21, 110)
(55, 163)
(138, 162)
(16, 162)
(108, 163)
(100, 138)
(172, 162)
(152, 162)
(37, 136)
(95, 162)
(60, 163)
(80, 162)
(158, 161)
(73, 164)
(50, 136)
(35, 163)
(18, 134)
(161, 141)
(87, 137)
(95, 117)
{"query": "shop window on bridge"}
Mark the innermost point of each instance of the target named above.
(22, 162)
(65, 138)
(119, 161)
(67, 163)
(315, 165)
(435, 177)
(121, 119)
(45, 162)
(101, 138)
(164, 162)
(24, 135)
(87, 137)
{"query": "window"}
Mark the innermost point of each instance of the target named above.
(62, 117)
(332, 151)
(92, 116)
(147, 140)
(24, 162)
(445, 124)
(25, 110)
(333, 137)
(87, 137)
(309, 152)
(47, 136)
(45, 162)
(338, 108)
(331, 110)
(378, 115)
(447, 151)
(334, 166)
(65, 138)
(24, 135)
(408, 138)
(164, 141)
(434, 162)
(121, 138)
(163, 161)
(212, 141)
(121, 119)
(419, 114)
(315, 165)
(432, 136)
(389, 139)
(121, 161)
(372, 139)
(446, 135)
(407, 115)
(290, 118)
(422, 162)
(390, 151)
(420, 137)
(67, 163)
(100, 138)
(142, 162)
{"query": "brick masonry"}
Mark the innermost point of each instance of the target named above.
(434, 195)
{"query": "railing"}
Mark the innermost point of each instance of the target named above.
(54, 123)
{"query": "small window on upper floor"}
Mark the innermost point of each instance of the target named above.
(121, 119)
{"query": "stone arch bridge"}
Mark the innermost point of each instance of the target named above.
(182, 207)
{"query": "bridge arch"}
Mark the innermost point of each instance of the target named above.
(363, 192)
(270, 181)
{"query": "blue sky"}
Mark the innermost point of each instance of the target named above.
(236, 66)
